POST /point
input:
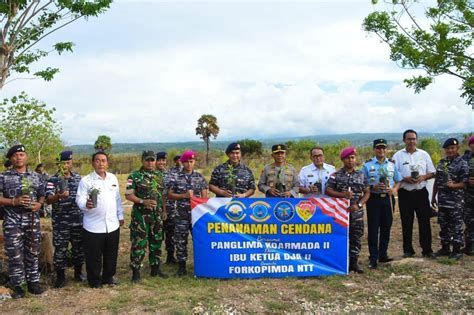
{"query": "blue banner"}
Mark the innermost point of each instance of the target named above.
(269, 237)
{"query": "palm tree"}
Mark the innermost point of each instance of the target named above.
(207, 127)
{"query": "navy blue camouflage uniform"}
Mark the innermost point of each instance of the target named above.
(168, 224)
(468, 214)
(340, 181)
(244, 179)
(21, 228)
(67, 222)
(180, 185)
(451, 201)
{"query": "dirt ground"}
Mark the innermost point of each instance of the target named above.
(404, 285)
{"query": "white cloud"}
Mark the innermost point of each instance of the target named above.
(260, 85)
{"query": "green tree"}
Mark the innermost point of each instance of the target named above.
(249, 146)
(25, 23)
(29, 122)
(445, 47)
(433, 147)
(207, 127)
(103, 143)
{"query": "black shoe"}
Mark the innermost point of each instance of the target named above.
(110, 281)
(444, 251)
(181, 268)
(354, 266)
(456, 254)
(18, 292)
(408, 254)
(156, 271)
(373, 264)
(170, 259)
(60, 279)
(35, 288)
(95, 285)
(430, 255)
(385, 259)
(78, 276)
(135, 275)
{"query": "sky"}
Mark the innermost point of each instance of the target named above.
(145, 71)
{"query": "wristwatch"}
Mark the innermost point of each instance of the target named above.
(141, 201)
(359, 205)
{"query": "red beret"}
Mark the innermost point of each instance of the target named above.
(471, 139)
(187, 155)
(347, 151)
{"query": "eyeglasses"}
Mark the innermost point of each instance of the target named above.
(381, 147)
(318, 155)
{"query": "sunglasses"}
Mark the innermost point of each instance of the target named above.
(381, 147)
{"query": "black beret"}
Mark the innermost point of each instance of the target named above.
(450, 141)
(161, 155)
(15, 149)
(231, 147)
(279, 148)
(65, 155)
(381, 142)
(176, 158)
(148, 155)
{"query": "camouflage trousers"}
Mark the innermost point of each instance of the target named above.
(65, 232)
(356, 231)
(146, 229)
(450, 223)
(168, 226)
(468, 216)
(181, 233)
(22, 246)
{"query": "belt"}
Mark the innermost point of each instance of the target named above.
(379, 195)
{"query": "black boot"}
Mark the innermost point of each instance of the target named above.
(60, 279)
(354, 266)
(456, 254)
(18, 292)
(444, 251)
(156, 271)
(135, 275)
(35, 288)
(469, 249)
(170, 259)
(78, 273)
(181, 268)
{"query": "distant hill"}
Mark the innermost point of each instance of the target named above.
(356, 139)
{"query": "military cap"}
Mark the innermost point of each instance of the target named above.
(231, 147)
(16, 148)
(380, 142)
(177, 157)
(187, 155)
(7, 164)
(278, 148)
(65, 156)
(147, 155)
(348, 151)
(471, 140)
(161, 155)
(450, 141)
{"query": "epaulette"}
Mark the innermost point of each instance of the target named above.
(390, 160)
(368, 160)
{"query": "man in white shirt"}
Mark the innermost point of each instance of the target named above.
(101, 222)
(415, 167)
(313, 177)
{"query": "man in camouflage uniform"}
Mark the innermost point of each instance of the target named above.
(67, 218)
(145, 190)
(168, 224)
(232, 178)
(452, 176)
(279, 179)
(22, 194)
(468, 214)
(351, 184)
(187, 184)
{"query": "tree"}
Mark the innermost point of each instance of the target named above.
(207, 127)
(31, 123)
(443, 48)
(249, 146)
(25, 23)
(103, 143)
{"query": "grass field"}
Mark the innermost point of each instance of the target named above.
(405, 285)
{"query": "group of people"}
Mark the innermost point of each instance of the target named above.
(87, 212)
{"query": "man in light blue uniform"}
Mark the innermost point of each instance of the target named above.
(384, 180)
